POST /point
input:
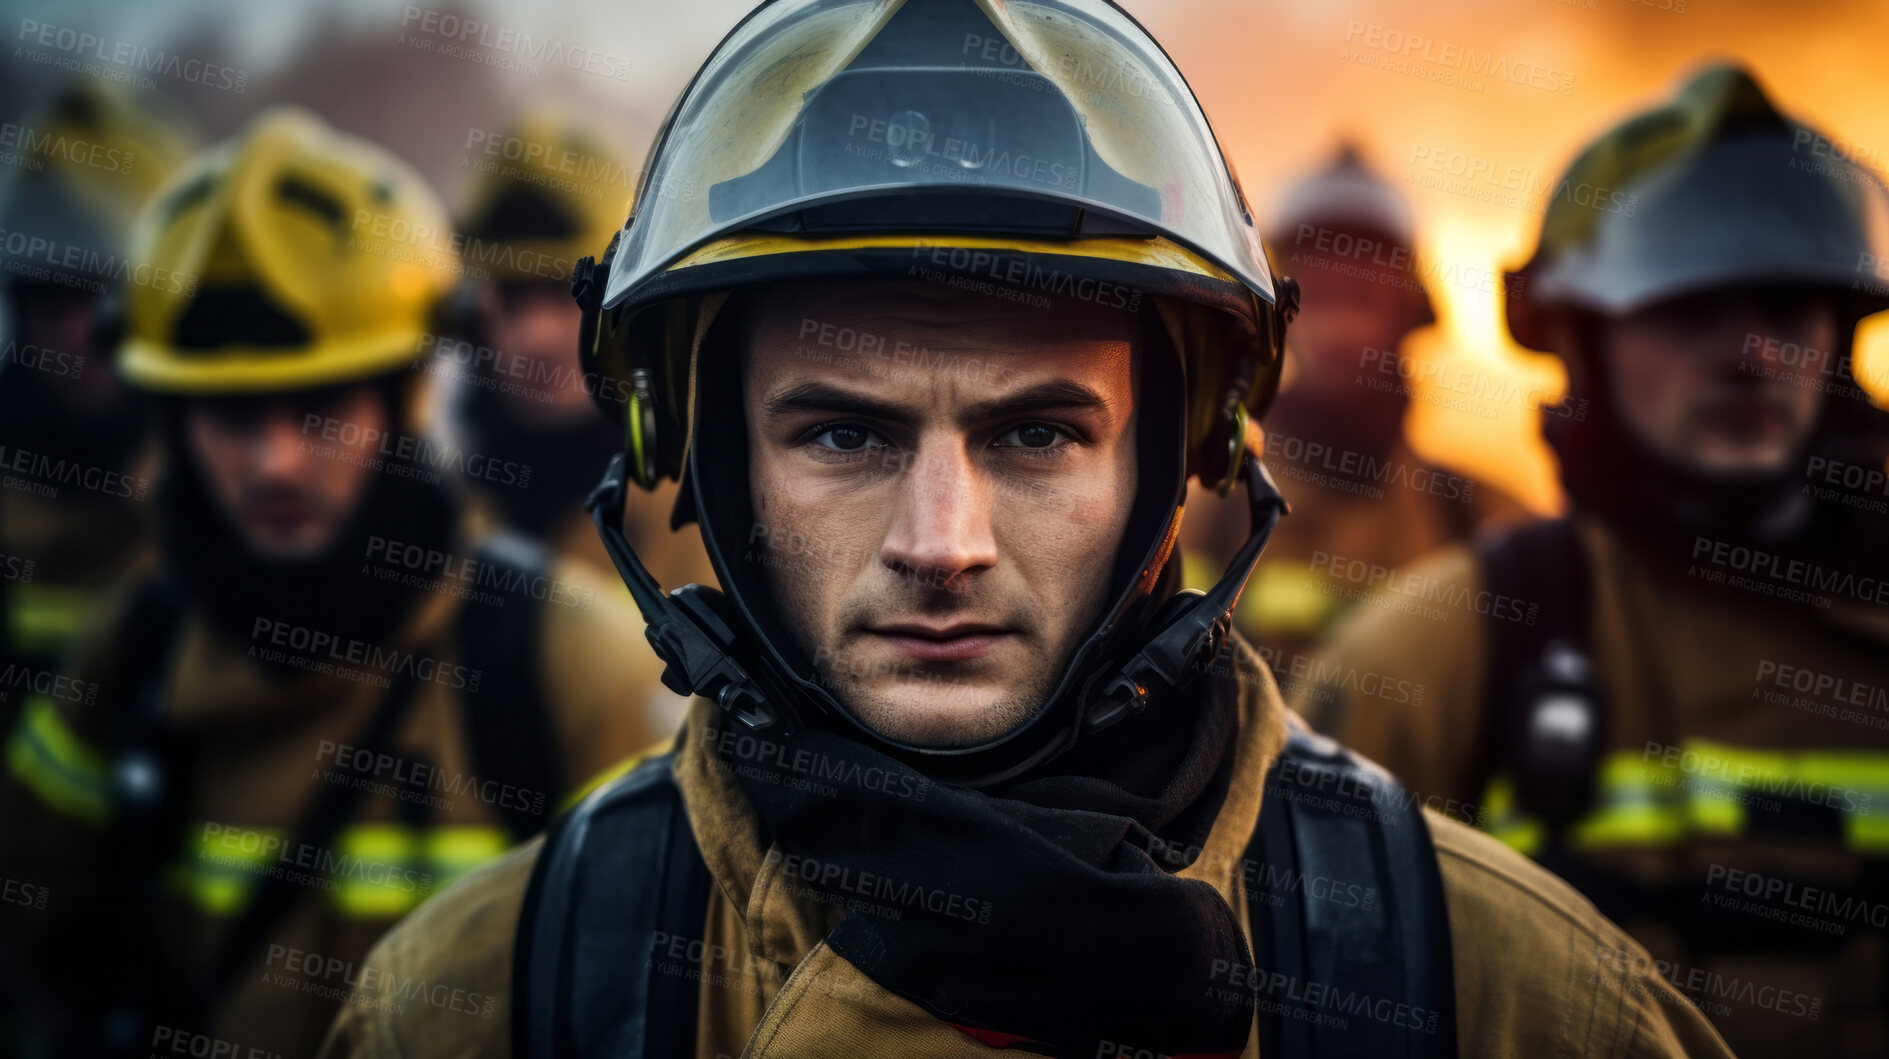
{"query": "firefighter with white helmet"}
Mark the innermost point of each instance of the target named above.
(1673, 707)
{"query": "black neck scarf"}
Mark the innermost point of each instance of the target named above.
(1036, 914)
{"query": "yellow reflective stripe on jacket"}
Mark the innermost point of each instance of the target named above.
(1281, 598)
(1706, 789)
(1854, 783)
(454, 851)
(372, 870)
(70, 775)
(379, 869)
(43, 619)
(1520, 832)
(1286, 599)
(1637, 803)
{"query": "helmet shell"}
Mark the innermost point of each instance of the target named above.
(1048, 148)
(1716, 189)
(291, 257)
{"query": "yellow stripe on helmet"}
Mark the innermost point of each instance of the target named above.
(1154, 253)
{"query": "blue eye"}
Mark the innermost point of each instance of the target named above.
(1032, 436)
(847, 438)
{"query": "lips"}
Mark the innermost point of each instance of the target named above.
(1746, 417)
(281, 512)
(950, 643)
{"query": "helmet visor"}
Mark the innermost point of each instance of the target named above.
(1045, 119)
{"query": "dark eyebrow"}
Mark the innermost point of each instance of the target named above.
(1042, 397)
(821, 397)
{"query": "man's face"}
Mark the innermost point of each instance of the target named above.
(1345, 315)
(1688, 384)
(539, 324)
(288, 472)
(941, 482)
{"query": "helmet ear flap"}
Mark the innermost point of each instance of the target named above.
(1229, 392)
(641, 433)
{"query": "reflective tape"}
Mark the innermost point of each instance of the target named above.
(1637, 803)
(1285, 600)
(1522, 833)
(1707, 789)
(68, 774)
(381, 872)
(374, 871)
(454, 851)
(43, 619)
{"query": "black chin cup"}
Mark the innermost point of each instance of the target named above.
(1193, 626)
(687, 628)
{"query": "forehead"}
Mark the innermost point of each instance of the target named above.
(913, 333)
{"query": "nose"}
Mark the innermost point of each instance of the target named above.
(940, 533)
(281, 449)
(1738, 335)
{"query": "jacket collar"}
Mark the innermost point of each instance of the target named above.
(784, 927)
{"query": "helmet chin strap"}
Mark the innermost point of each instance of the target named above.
(1195, 625)
(696, 643)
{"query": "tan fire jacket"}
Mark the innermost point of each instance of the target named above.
(1538, 972)
(267, 744)
(79, 542)
(1722, 696)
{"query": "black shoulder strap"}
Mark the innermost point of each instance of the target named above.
(617, 874)
(1544, 699)
(1350, 929)
(509, 717)
(150, 766)
(145, 643)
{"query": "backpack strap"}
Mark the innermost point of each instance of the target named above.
(509, 719)
(1350, 928)
(616, 874)
(150, 770)
(1547, 709)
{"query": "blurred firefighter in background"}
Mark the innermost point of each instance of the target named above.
(1676, 697)
(76, 468)
(335, 695)
(1335, 437)
(551, 193)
